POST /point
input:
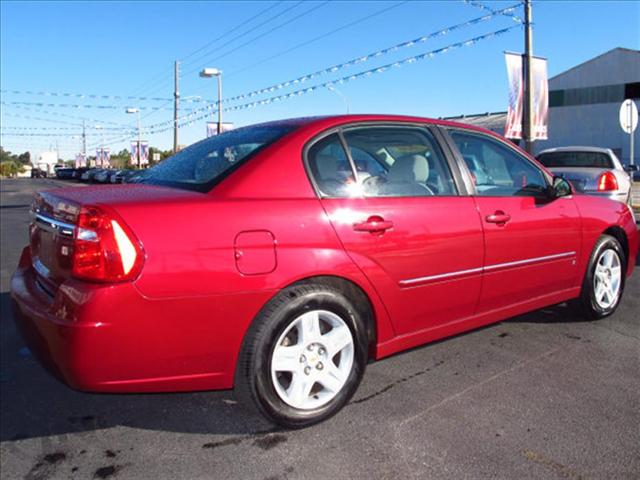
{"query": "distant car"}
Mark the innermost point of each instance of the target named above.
(38, 173)
(64, 173)
(102, 175)
(130, 176)
(591, 170)
(77, 174)
(119, 176)
(89, 175)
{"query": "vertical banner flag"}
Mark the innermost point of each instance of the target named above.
(81, 161)
(106, 158)
(212, 128)
(99, 157)
(134, 153)
(540, 98)
(144, 153)
(513, 127)
(540, 87)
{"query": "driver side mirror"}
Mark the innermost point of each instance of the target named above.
(561, 188)
(631, 168)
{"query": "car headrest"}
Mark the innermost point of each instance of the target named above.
(409, 168)
(327, 166)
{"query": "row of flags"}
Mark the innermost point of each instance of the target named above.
(144, 153)
(103, 159)
(103, 156)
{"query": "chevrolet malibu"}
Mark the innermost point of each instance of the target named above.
(278, 259)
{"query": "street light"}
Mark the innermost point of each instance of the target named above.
(137, 111)
(214, 72)
(333, 89)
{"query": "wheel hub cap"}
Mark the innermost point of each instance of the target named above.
(312, 359)
(607, 280)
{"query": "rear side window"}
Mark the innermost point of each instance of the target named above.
(331, 169)
(498, 170)
(576, 159)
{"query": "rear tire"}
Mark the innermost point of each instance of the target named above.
(303, 357)
(604, 279)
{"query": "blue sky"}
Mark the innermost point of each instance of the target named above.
(128, 48)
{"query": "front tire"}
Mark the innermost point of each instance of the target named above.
(604, 280)
(303, 357)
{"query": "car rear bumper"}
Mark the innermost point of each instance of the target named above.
(110, 338)
(617, 195)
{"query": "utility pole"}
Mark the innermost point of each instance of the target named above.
(84, 140)
(176, 105)
(527, 116)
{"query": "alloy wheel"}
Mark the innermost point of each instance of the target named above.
(312, 359)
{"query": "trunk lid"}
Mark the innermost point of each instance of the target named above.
(54, 220)
(582, 178)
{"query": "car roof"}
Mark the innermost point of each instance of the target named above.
(576, 149)
(329, 120)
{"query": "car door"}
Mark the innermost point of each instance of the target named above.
(390, 194)
(532, 241)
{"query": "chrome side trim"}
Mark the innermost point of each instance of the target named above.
(52, 225)
(489, 268)
(441, 276)
(529, 260)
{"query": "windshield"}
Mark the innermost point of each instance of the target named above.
(576, 159)
(204, 164)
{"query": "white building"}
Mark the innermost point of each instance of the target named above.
(584, 105)
(46, 161)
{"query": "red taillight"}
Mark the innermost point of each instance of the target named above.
(105, 250)
(607, 181)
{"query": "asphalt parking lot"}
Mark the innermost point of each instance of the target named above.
(543, 395)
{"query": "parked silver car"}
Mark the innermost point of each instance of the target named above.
(591, 170)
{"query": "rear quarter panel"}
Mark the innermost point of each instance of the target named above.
(599, 215)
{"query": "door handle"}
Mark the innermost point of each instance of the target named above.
(373, 224)
(498, 217)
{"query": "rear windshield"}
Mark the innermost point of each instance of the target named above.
(204, 164)
(576, 159)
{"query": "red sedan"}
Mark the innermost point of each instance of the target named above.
(279, 258)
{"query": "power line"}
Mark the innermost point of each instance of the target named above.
(271, 30)
(481, 6)
(319, 37)
(37, 129)
(28, 117)
(349, 78)
(240, 25)
(66, 115)
(81, 105)
(84, 95)
(239, 36)
(62, 135)
(372, 55)
(361, 59)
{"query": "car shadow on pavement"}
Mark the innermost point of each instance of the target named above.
(34, 404)
(561, 313)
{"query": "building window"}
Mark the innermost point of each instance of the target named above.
(592, 95)
(632, 90)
